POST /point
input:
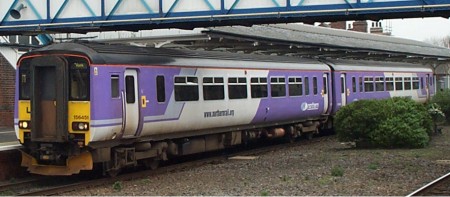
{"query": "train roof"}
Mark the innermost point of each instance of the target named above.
(365, 65)
(101, 53)
(127, 54)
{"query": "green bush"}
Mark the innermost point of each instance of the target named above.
(442, 98)
(388, 123)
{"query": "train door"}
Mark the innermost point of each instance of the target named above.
(343, 90)
(49, 99)
(325, 93)
(131, 103)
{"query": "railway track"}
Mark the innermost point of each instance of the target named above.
(9, 187)
(438, 187)
(181, 165)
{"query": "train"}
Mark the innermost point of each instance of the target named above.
(86, 104)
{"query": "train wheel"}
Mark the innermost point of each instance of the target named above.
(151, 163)
(290, 134)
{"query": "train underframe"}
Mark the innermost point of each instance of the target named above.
(151, 153)
(67, 159)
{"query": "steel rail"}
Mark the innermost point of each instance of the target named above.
(421, 191)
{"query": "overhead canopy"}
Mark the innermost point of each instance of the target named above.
(302, 40)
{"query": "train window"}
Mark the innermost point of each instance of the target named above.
(361, 87)
(354, 84)
(325, 91)
(213, 88)
(129, 88)
(407, 83)
(421, 83)
(160, 89)
(79, 79)
(258, 87)
(398, 83)
(368, 84)
(389, 83)
(431, 81)
(415, 83)
(295, 86)
(114, 86)
(315, 85)
(278, 86)
(379, 84)
(342, 85)
(186, 89)
(237, 88)
(25, 80)
(306, 86)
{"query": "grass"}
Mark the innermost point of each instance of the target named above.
(373, 166)
(285, 178)
(117, 186)
(337, 171)
(264, 193)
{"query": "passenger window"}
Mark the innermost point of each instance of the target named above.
(415, 83)
(361, 87)
(129, 88)
(186, 88)
(398, 83)
(306, 86)
(353, 84)
(295, 86)
(278, 86)
(389, 83)
(407, 83)
(160, 89)
(421, 83)
(114, 86)
(368, 84)
(258, 87)
(237, 88)
(325, 84)
(379, 84)
(315, 85)
(213, 88)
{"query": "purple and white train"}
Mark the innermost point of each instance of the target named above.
(80, 104)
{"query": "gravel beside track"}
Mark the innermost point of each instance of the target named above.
(324, 168)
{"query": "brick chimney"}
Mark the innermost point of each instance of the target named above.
(360, 26)
(339, 25)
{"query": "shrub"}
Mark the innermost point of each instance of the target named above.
(389, 123)
(442, 98)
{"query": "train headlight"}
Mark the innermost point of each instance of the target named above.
(24, 124)
(80, 126)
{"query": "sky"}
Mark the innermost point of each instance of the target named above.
(420, 29)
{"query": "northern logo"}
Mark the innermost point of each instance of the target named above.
(309, 106)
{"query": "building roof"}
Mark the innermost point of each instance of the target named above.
(300, 40)
(327, 42)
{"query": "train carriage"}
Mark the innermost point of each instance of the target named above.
(357, 80)
(80, 104)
